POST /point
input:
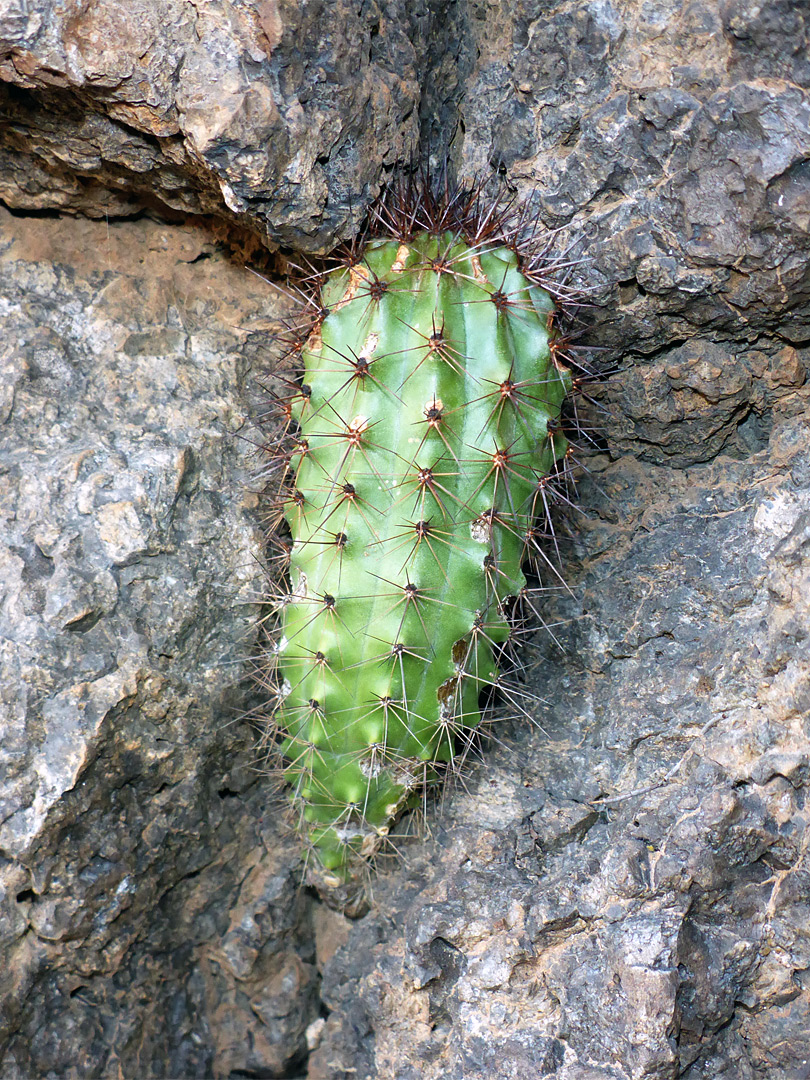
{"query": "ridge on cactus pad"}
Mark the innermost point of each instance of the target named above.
(424, 430)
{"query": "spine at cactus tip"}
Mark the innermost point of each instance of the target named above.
(425, 428)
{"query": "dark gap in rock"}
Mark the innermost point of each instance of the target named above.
(446, 56)
(628, 290)
(796, 342)
(84, 623)
(249, 1074)
(753, 430)
(17, 212)
(571, 138)
(640, 359)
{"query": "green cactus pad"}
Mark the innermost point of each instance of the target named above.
(427, 427)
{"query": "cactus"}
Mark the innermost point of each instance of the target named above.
(424, 429)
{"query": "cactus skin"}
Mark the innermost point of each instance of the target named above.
(428, 424)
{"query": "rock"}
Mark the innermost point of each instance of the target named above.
(605, 899)
(667, 143)
(279, 115)
(618, 898)
(699, 399)
(146, 908)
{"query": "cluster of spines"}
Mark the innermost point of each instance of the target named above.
(457, 496)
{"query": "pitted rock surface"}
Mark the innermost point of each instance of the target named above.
(674, 146)
(618, 897)
(280, 114)
(147, 905)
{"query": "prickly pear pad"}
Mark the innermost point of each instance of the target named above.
(428, 423)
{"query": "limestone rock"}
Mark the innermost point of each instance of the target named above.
(283, 115)
(147, 905)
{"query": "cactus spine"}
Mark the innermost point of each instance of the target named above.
(425, 428)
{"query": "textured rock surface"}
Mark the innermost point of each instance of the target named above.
(555, 924)
(279, 113)
(147, 907)
(676, 137)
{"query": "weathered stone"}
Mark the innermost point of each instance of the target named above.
(281, 115)
(603, 900)
(557, 923)
(669, 141)
(146, 910)
(700, 399)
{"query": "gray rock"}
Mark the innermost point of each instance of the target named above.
(605, 900)
(620, 897)
(670, 141)
(282, 116)
(143, 894)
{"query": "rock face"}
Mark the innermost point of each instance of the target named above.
(675, 137)
(147, 904)
(619, 892)
(283, 115)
